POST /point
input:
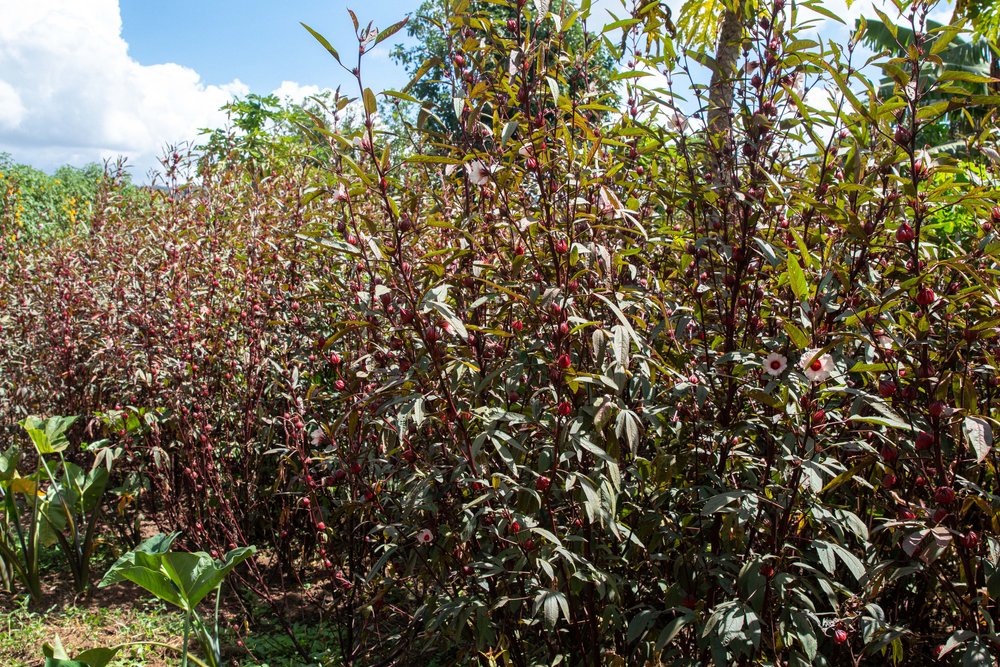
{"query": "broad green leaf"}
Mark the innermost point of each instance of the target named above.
(797, 279)
(157, 544)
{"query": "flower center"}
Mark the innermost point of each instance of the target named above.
(775, 364)
(816, 365)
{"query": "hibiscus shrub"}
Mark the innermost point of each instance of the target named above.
(661, 387)
(586, 384)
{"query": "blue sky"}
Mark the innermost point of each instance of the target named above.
(258, 42)
(89, 80)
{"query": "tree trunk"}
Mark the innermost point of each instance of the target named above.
(720, 90)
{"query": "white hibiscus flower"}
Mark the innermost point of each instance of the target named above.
(775, 364)
(478, 172)
(816, 368)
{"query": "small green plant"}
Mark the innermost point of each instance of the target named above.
(61, 505)
(183, 580)
(56, 656)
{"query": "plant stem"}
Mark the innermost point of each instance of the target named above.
(187, 632)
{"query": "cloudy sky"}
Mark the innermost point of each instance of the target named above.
(85, 80)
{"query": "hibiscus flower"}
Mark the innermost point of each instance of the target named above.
(775, 364)
(816, 368)
(478, 172)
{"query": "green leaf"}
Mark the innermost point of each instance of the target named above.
(197, 574)
(852, 562)
(508, 131)
(882, 421)
(371, 106)
(157, 544)
(967, 77)
(426, 67)
(797, 279)
(640, 624)
(99, 657)
(433, 159)
(799, 337)
(717, 503)
(669, 633)
(391, 30)
(48, 435)
(322, 40)
(153, 580)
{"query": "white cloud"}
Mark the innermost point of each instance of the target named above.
(296, 92)
(11, 108)
(70, 92)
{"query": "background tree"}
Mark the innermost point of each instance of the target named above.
(438, 51)
(967, 67)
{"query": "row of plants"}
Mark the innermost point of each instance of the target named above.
(572, 374)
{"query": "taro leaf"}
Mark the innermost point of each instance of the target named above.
(197, 574)
(48, 435)
(8, 464)
(98, 657)
(24, 485)
(145, 572)
(55, 649)
(62, 662)
(157, 544)
(93, 488)
(980, 435)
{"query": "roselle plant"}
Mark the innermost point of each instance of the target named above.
(693, 389)
(696, 381)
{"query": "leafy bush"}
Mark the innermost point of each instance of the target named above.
(58, 504)
(581, 384)
(33, 203)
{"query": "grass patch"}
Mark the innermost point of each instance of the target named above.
(23, 631)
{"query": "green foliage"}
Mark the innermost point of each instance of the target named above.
(148, 625)
(34, 204)
(574, 384)
(455, 40)
(957, 69)
(58, 504)
(268, 135)
(183, 580)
